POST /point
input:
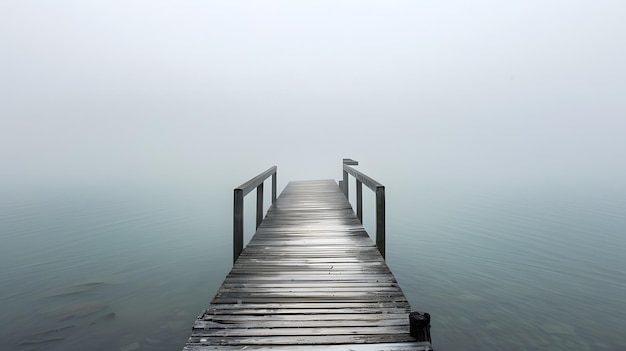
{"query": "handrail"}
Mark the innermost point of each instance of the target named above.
(239, 193)
(375, 186)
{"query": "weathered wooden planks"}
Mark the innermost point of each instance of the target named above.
(310, 278)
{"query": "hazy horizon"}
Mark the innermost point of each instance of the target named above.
(157, 92)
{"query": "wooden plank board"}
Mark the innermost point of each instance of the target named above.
(310, 278)
(245, 343)
(406, 346)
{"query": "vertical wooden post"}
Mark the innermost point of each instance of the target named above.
(419, 326)
(239, 193)
(237, 224)
(274, 187)
(345, 184)
(359, 200)
(380, 219)
(259, 205)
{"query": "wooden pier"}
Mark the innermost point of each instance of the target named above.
(310, 278)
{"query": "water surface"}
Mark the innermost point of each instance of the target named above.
(498, 267)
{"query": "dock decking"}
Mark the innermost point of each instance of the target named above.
(310, 278)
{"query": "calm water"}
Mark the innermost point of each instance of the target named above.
(516, 268)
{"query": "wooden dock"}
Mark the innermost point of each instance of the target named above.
(310, 278)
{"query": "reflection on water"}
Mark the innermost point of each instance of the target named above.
(513, 269)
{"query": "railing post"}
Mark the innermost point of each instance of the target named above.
(237, 224)
(359, 200)
(240, 192)
(345, 184)
(259, 205)
(378, 188)
(274, 187)
(380, 219)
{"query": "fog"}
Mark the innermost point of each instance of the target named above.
(159, 92)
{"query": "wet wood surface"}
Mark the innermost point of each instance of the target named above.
(310, 278)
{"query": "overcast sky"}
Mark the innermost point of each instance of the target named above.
(173, 90)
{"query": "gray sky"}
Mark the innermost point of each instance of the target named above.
(97, 91)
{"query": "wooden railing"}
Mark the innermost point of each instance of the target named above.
(377, 188)
(239, 193)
